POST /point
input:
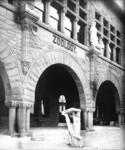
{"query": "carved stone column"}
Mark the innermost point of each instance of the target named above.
(62, 25)
(114, 54)
(107, 49)
(28, 17)
(90, 120)
(47, 11)
(12, 117)
(28, 119)
(21, 113)
(119, 119)
(85, 121)
(12, 120)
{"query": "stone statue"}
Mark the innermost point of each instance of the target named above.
(73, 129)
(93, 35)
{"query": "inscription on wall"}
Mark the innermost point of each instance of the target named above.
(63, 43)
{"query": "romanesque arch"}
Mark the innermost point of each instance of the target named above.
(49, 58)
(108, 85)
(9, 71)
(108, 77)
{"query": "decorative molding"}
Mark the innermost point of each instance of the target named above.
(28, 16)
(18, 104)
(25, 66)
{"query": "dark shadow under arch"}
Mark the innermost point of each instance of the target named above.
(56, 80)
(5, 93)
(107, 104)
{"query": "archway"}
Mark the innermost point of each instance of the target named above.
(54, 82)
(5, 93)
(3, 109)
(107, 105)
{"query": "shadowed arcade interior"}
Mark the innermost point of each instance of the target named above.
(107, 105)
(55, 91)
(3, 109)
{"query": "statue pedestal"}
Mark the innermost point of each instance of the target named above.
(73, 128)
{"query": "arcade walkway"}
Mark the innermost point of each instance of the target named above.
(103, 137)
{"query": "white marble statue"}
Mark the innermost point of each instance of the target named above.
(93, 35)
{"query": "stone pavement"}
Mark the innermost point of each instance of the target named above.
(102, 137)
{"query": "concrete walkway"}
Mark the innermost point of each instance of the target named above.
(103, 137)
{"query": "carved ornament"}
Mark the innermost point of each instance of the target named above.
(28, 16)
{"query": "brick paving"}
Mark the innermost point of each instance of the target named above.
(102, 137)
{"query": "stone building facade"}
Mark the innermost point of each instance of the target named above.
(48, 63)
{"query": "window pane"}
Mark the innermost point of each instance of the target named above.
(54, 23)
(40, 14)
(40, 9)
(54, 13)
(68, 32)
(39, 5)
(68, 23)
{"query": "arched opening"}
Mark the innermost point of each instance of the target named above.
(107, 105)
(54, 85)
(3, 109)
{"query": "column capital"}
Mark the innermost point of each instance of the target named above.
(18, 104)
(28, 16)
(76, 19)
(27, 105)
(11, 104)
(64, 10)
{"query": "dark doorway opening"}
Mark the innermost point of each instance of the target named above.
(107, 105)
(54, 82)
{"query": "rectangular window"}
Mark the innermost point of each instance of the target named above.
(68, 26)
(105, 23)
(111, 51)
(105, 47)
(40, 7)
(112, 29)
(118, 34)
(81, 33)
(71, 5)
(82, 15)
(97, 16)
(55, 18)
(118, 56)
(83, 4)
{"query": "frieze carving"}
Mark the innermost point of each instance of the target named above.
(18, 104)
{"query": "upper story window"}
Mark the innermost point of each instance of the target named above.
(71, 5)
(40, 6)
(54, 17)
(62, 15)
(111, 38)
(83, 4)
(69, 26)
(81, 32)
